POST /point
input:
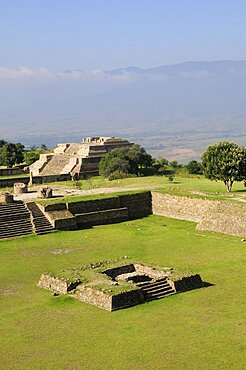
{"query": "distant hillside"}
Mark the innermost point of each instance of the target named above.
(174, 110)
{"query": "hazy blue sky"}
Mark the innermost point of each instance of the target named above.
(65, 34)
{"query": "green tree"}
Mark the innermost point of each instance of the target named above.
(160, 165)
(225, 161)
(132, 160)
(30, 157)
(43, 147)
(114, 164)
(2, 142)
(194, 167)
(11, 154)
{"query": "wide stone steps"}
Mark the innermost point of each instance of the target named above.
(40, 222)
(12, 209)
(14, 216)
(14, 220)
(55, 165)
(156, 290)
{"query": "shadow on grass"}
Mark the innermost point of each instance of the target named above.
(206, 284)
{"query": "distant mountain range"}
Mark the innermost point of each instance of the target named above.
(173, 111)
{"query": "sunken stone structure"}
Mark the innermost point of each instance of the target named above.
(118, 284)
(78, 160)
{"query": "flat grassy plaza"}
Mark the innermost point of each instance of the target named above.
(199, 329)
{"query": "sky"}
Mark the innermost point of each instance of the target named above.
(107, 34)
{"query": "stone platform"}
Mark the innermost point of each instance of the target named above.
(113, 285)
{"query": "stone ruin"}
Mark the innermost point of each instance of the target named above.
(20, 188)
(6, 197)
(45, 192)
(79, 160)
(118, 284)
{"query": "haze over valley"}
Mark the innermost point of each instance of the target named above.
(174, 110)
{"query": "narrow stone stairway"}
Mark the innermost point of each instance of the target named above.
(40, 222)
(156, 289)
(15, 220)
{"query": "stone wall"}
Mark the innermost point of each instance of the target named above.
(139, 205)
(115, 271)
(55, 284)
(139, 268)
(35, 180)
(99, 211)
(65, 224)
(150, 271)
(220, 216)
(11, 171)
(44, 179)
(94, 297)
(104, 217)
(127, 299)
(110, 303)
(94, 205)
(188, 283)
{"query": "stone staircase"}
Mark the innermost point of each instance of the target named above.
(72, 149)
(156, 289)
(56, 165)
(15, 220)
(40, 223)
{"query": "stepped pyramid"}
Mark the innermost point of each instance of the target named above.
(76, 159)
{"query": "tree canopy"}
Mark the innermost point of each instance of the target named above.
(125, 160)
(31, 156)
(10, 153)
(194, 167)
(225, 161)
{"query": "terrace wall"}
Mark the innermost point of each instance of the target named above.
(11, 171)
(53, 283)
(44, 179)
(99, 211)
(220, 216)
(94, 297)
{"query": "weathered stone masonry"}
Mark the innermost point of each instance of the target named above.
(220, 216)
(141, 284)
(87, 213)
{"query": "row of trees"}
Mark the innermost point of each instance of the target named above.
(134, 160)
(224, 161)
(12, 154)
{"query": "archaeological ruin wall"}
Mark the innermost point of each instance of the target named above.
(220, 216)
(87, 213)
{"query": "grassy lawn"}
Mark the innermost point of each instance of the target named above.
(74, 198)
(199, 183)
(200, 329)
(22, 175)
(148, 181)
(192, 186)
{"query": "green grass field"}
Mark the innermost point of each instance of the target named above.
(183, 185)
(199, 329)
